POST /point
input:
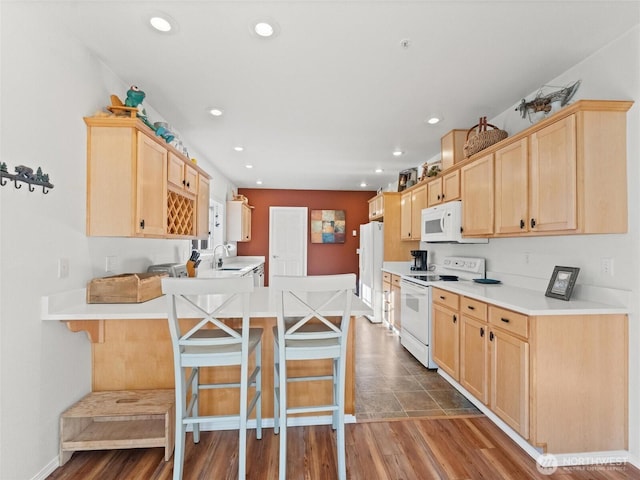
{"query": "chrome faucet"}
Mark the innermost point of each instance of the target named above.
(226, 248)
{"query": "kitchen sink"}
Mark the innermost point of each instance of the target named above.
(230, 268)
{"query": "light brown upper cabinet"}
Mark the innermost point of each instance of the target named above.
(181, 175)
(563, 175)
(512, 188)
(411, 204)
(202, 208)
(444, 188)
(477, 193)
(135, 182)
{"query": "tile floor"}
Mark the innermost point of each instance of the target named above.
(391, 383)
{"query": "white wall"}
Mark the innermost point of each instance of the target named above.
(611, 73)
(48, 84)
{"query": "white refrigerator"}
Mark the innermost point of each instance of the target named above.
(371, 257)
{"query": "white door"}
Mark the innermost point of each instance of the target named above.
(287, 241)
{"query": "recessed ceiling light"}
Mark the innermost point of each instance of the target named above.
(432, 120)
(161, 23)
(248, 166)
(363, 184)
(379, 170)
(238, 148)
(258, 182)
(265, 28)
(398, 153)
(216, 112)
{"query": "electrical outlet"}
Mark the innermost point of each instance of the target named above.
(606, 266)
(63, 267)
(110, 263)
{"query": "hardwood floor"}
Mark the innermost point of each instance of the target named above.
(432, 442)
(424, 448)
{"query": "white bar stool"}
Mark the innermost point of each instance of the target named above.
(304, 332)
(203, 346)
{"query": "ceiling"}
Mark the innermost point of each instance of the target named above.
(327, 100)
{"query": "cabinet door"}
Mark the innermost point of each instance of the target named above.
(477, 197)
(434, 192)
(474, 358)
(418, 202)
(512, 188)
(451, 186)
(175, 170)
(202, 208)
(151, 187)
(396, 303)
(246, 223)
(552, 177)
(405, 216)
(445, 343)
(510, 380)
(190, 179)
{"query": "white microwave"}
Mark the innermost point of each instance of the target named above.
(443, 224)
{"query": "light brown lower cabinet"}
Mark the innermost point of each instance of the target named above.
(396, 302)
(559, 381)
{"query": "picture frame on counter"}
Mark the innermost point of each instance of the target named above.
(562, 281)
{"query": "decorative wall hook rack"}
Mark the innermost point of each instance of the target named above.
(25, 175)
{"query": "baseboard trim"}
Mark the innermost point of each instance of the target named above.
(47, 470)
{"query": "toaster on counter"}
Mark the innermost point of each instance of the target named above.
(173, 269)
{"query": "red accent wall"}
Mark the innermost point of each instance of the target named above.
(322, 259)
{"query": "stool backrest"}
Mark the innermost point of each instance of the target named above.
(205, 299)
(305, 302)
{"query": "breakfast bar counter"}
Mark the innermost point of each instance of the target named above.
(131, 347)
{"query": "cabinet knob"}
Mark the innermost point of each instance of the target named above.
(455, 318)
(491, 336)
(471, 307)
(533, 223)
(438, 197)
(482, 331)
(443, 196)
(188, 184)
(521, 224)
(142, 224)
(505, 320)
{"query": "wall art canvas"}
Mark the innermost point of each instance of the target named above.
(327, 226)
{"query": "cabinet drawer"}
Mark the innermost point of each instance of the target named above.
(395, 280)
(511, 321)
(473, 308)
(445, 298)
(386, 277)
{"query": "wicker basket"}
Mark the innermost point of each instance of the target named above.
(483, 138)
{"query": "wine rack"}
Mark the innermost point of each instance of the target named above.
(180, 214)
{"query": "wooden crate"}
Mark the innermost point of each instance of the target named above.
(117, 420)
(125, 288)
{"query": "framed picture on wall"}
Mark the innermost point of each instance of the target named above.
(562, 282)
(328, 226)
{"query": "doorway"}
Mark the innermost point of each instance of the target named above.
(287, 241)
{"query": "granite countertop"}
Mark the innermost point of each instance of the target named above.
(523, 300)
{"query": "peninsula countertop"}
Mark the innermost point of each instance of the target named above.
(72, 305)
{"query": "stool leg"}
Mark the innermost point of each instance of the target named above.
(340, 440)
(276, 389)
(244, 379)
(195, 390)
(283, 417)
(258, 354)
(178, 454)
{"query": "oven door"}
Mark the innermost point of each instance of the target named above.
(415, 310)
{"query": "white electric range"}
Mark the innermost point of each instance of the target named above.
(415, 293)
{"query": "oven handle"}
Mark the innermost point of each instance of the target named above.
(408, 284)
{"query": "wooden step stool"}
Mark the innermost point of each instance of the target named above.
(119, 419)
